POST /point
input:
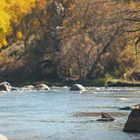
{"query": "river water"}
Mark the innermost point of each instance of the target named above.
(61, 114)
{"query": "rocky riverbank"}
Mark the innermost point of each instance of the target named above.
(122, 83)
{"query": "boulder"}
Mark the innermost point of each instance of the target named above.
(133, 122)
(106, 117)
(5, 86)
(41, 87)
(28, 87)
(77, 87)
(2, 137)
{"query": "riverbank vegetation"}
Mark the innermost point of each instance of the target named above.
(67, 41)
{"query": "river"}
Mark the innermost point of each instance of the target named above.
(60, 114)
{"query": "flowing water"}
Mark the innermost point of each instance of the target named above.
(60, 114)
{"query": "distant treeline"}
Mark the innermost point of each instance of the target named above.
(82, 40)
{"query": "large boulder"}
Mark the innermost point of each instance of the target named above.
(41, 87)
(5, 86)
(77, 87)
(133, 122)
(2, 137)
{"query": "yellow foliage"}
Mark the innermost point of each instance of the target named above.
(4, 19)
(0, 45)
(19, 35)
(19, 7)
(4, 42)
(12, 10)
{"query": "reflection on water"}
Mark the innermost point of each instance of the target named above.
(63, 115)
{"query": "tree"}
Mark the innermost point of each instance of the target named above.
(10, 15)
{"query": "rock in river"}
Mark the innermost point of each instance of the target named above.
(42, 87)
(2, 137)
(77, 87)
(5, 86)
(133, 122)
(130, 108)
(125, 108)
(28, 88)
(106, 117)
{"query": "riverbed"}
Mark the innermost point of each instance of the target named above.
(60, 114)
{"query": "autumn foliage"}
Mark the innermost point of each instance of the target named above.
(82, 39)
(11, 11)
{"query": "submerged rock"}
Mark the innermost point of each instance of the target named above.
(125, 108)
(133, 122)
(42, 87)
(98, 114)
(77, 87)
(5, 86)
(106, 117)
(2, 137)
(130, 108)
